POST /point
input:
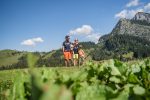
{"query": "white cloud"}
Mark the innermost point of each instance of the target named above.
(86, 32)
(130, 13)
(121, 14)
(133, 3)
(32, 42)
(39, 39)
(28, 42)
(85, 29)
(127, 13)
(147, 7)
(93, 37)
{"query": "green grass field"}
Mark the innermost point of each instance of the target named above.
(106, 80)
(10, 74)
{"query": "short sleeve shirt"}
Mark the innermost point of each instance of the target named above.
(67, 46)
(75, 49)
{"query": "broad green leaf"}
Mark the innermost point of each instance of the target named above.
(138, 90)
(133, 79)
(135, 68)
(122, 67)
(114, 79)
(55, 92)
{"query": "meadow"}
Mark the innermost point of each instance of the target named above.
(106, 80)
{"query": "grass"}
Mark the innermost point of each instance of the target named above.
(10, 74)
(9, 60)
(45, 78)
(8, 57)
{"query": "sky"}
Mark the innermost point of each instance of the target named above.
(41, 25)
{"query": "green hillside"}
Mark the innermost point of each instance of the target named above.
(119, 45)
(9, 57)
(49, 54)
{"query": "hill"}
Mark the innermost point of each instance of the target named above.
(8, 57)
(122, 47)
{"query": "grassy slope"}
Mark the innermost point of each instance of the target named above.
(48, 55)
(7, 58)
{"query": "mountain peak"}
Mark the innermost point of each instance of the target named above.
(142, 16)
(138, 26)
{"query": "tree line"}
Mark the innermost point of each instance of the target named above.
(118, 45)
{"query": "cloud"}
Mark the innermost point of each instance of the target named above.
(86, 32)
(147, 7)
(132, 3)
(130, 13)
(121, 14)
(93, 37)
(32, 42)
(39, 39)
(84, 29)
(127, 13)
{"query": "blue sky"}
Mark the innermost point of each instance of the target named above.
(41, 25)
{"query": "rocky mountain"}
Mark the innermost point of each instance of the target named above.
(129, 39)
(142, 16)
(139, 26)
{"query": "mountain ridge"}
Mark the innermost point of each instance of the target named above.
(135, 27)
(142, 16)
